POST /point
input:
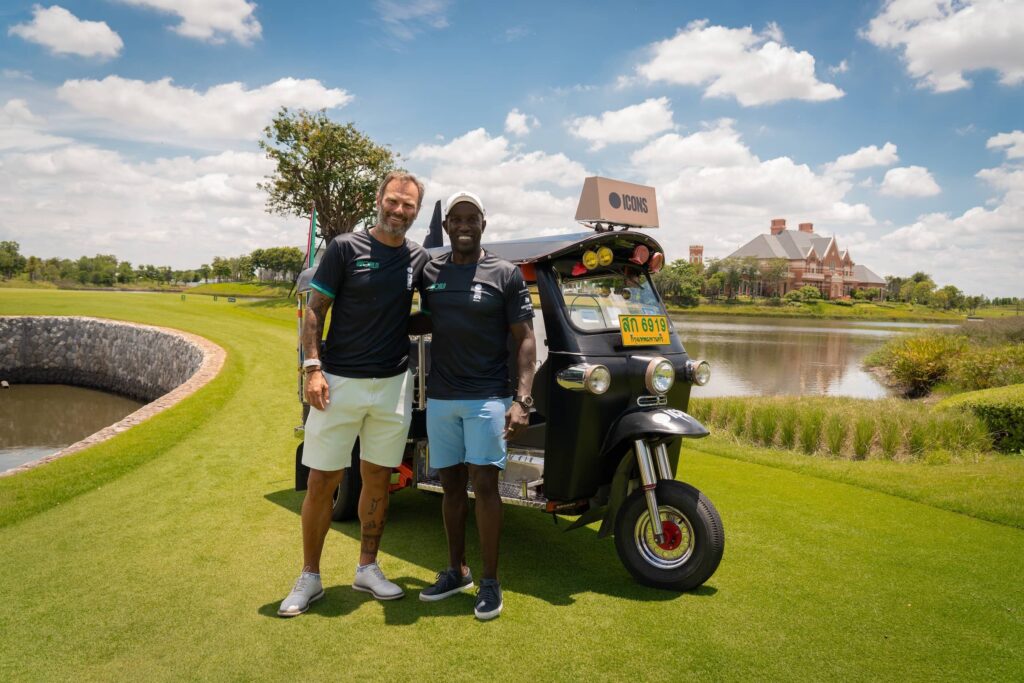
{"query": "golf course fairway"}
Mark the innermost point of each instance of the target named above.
(163, 554)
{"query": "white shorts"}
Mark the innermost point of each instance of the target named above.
(378, 411)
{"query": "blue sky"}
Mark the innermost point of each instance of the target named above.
(130, 126)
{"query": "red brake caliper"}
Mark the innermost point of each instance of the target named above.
(673, 536)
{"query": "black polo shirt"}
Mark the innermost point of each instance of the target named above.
(472, 308)
(372, 285)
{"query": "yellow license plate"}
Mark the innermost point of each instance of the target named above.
(644, 330)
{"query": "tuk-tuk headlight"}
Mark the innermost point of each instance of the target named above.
(660, 376)
(593, 378)
(698, 372)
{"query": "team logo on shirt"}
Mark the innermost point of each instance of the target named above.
(478, 291)
(436, 286)
(366, 263)
(408, 279)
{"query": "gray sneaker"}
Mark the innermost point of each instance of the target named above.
(307, 589)
(370, 579)
(449, 582)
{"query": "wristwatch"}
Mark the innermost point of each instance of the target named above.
(525, 401)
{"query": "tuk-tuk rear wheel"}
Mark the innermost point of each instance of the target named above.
(693, 542)
(345, 501)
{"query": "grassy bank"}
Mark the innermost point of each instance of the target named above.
(830, 310)
(243, 289)
(170, 558)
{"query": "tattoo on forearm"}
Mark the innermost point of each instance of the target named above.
(313, 324)
(370, 543)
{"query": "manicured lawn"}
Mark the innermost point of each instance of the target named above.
(162, 555)
(255, 289)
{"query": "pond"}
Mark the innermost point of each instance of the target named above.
(776, 356)
(39, 419)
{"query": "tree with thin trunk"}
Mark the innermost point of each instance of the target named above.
(321, 162)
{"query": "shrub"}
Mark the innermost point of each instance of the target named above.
(987, 367)
(1002, 411)
(918, 362)
(794, 296)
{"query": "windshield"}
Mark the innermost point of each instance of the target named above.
(595, 303)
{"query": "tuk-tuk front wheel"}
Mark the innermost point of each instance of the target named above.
(693, 537)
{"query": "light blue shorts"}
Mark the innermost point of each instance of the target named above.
(470, 431)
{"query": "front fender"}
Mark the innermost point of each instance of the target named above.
(664, 422)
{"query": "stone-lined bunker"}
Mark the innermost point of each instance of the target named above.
(153, 364)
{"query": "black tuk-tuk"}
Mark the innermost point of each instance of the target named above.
(611, 390)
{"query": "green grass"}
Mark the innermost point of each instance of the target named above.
(254, 289)
(169, 558)
(860, 310)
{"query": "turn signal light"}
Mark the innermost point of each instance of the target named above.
(590, 259)
(640, 255)
(605, 256)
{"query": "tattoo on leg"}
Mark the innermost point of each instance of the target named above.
(370, 543)
(369, 525)
(373, 504)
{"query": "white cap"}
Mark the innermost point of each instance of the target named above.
(463, 196)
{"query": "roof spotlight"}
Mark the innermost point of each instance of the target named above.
(605, 256)
(590, 259)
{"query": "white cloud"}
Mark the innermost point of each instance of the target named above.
(978, 251)
(404, 19)
(865, 157)
(20, 129)
(713, 190)
(941, 40)
(752, 68)
(635, 123)
(210, 20)
(520, 124)
(525, 193)
(80, 199)
(63, 33)
(160, 110)
(909, 181)
(840, 68)
(1013, 142)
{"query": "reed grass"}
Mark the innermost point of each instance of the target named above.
(856, 429)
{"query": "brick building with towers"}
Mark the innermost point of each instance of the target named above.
(812, 260)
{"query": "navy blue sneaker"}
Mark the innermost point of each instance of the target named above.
(449, 582)
(488, 600)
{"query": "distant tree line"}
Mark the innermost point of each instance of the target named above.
(684, 284)
(274, 264)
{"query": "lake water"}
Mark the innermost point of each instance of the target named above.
(40, 419)
(773, 356)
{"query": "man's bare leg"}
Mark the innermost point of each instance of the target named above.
(316, 516)
(488, 515)
(373, 509)
(455, 509)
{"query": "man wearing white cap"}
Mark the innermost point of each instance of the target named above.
(474, 300)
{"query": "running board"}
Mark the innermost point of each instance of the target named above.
(511, 493)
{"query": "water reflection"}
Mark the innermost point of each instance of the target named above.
(766, 356)
(39, 419)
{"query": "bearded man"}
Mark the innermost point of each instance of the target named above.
(360, 386)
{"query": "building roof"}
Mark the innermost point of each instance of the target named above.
(788, 244)
(865, 275)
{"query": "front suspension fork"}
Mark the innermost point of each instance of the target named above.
(649, 479)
